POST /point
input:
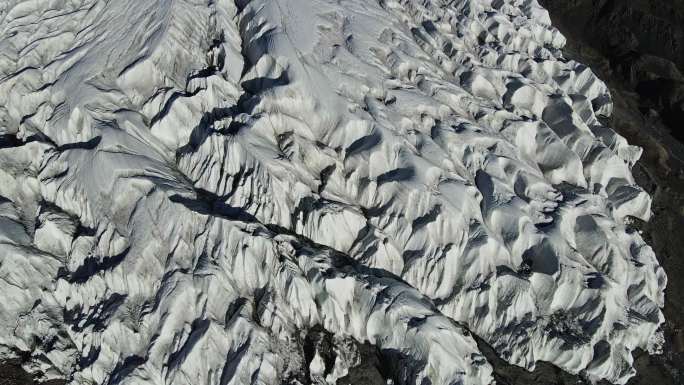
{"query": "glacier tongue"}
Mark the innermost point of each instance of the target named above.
(188, 186)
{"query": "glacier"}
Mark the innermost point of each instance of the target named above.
(188, 186)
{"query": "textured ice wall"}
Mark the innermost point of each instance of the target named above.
(185, 186)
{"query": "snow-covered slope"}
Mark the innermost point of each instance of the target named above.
(187, 186)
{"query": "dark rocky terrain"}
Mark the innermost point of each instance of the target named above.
(11, 373)
(637, 47)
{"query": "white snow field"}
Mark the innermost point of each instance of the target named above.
(186, 186)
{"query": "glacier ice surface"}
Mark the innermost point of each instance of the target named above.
(188, 186)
